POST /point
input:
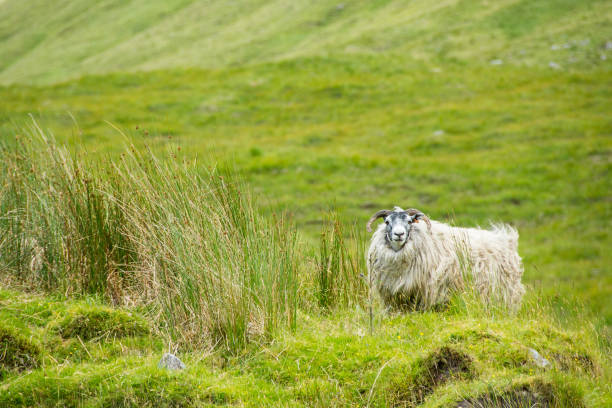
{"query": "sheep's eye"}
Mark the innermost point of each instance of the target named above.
(387, 222)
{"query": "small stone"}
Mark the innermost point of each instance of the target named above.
(608, 45)
(555, 47)
(554, 65)
(171, 362)
(538, 359)
(496, 62)
(438, 132)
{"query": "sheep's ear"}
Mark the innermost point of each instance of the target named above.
(379, 214)
(417, 215)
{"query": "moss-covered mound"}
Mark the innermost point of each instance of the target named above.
(17, 353)
(439, 367)
(162, 391)
(94, 322)
(110, 385)
(417, 360)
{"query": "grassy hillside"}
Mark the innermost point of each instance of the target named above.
(425, 359)
(472, 111)
(43, 42)
(474, 143)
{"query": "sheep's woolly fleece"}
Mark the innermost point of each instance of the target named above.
(438, 260)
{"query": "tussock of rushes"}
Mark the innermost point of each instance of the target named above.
(340, 280)
(162, 233)
(58, 230)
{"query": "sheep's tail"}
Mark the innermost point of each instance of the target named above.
(508, 233)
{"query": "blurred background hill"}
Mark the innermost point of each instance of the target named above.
(43, 42)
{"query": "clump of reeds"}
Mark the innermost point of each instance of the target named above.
(186, 242)
(340, 266)
(59, 229)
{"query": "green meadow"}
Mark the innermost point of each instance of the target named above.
(132, 133)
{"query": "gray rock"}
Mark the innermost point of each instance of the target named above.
(171, 362)
(496, 62)
(538, 359)
(608, 45)
(554, 65)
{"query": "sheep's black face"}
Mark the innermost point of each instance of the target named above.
(397, 229)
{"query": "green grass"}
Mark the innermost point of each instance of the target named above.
(190, 248)
(96, 323)
(340, 108)
(17, 353)
(473, 144)
(325, 361)
(341, 281)
(231, 313)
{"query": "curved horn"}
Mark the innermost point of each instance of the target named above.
(418, 215)
(379, 214)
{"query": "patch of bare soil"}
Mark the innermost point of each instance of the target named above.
(438, 368)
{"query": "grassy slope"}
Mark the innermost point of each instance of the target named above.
(43, 42)
(326, 362)
(525, 146)
(339, 107)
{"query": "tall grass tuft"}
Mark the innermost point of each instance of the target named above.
(340, 266)
(58, 230)
(222, 271)
(187, 243)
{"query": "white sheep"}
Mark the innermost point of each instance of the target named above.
(417, 263)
